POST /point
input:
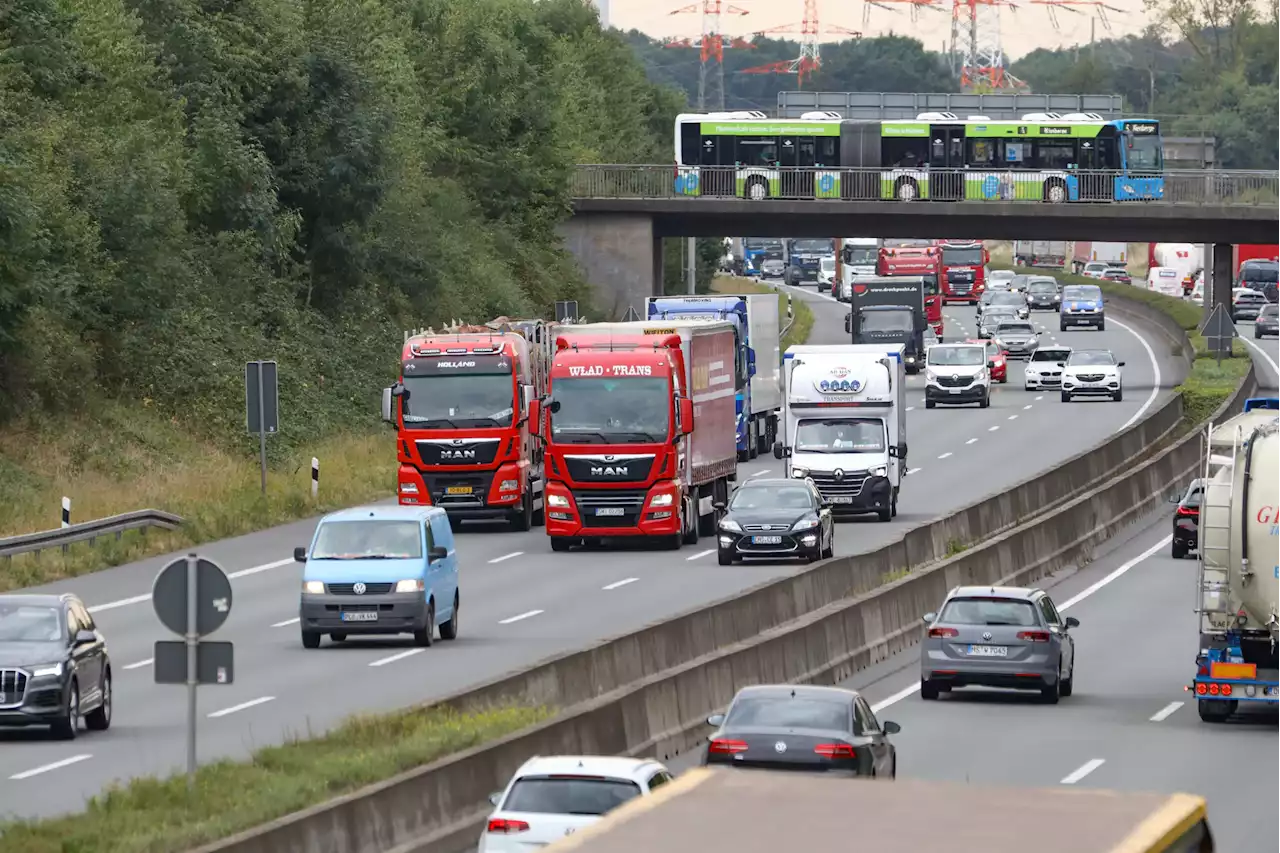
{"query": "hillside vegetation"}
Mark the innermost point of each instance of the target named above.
(186, 185)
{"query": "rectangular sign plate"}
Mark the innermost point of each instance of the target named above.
(609, 510)
(360, 616)
(989, 651)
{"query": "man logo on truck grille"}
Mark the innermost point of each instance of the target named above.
(457, 454)
(609, 471)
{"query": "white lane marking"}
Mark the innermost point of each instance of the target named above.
(45, 768)
(1075, 599)
(1027, 406)
(1040, 397)
(528, 614)
(911, 408)
(758, 474)
(913, 471)
(507, 556)
(140, 664)
(396, 657)
(1155, 369)
(992, 429)
(1013, 417)
(971, 441)
(700, 555)
(252, 703)
(622, 582)
(1082, 771)
(294, 621)
(945, 455)
(138, 599)
(1166, 712)
(1260, 351)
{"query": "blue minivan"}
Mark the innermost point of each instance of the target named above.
(1082, 305)
(380, 570)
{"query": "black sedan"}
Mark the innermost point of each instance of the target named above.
(1186, 520)
(775, 518)
(1043, 295)
(803, 727)
(54, 668)
(1268, 322)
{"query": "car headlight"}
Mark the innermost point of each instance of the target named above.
(558, 501)
(313, 587)
(981, 374)
(799, 473)
(930, 376)
(508, 485)
(408, 489)
(662, 500)
(805, 524)
(53, 670)
(879, 471)
(411, 585)
(730, 524)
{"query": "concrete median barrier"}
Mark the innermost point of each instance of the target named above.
(648, 692)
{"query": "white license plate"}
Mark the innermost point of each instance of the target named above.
(766, 540)
(989, 651)
(955, 390)
(360, 616)
(842, 499)
(609, 510)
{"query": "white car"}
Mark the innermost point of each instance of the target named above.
(956, 374)
(999, 279)
(550, 797)
(1044, 370)
(1092, 373)
(1094, 269)
(826, 273)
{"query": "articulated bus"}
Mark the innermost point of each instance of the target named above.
(940, 156)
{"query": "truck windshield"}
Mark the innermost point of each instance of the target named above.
(459, 400)
(862, 256)
(886, 321)
(855, 435)
(1082, 292)
(766, 243)
(966, 257)
(369, 539)
(610, 411)
(811, 247)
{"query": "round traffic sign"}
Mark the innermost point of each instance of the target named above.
(213, 596)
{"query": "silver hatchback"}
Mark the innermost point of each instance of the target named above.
(1009, 637)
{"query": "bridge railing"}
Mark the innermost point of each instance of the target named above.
(1184, 187)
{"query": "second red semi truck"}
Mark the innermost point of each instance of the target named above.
(917, 260)
(638, 431)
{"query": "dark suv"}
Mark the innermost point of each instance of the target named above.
(1186, 520)
(54, 668)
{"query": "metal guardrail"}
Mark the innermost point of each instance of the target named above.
(1197, 187)
(141, 519)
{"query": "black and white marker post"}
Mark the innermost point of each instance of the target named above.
(66, 517)
(315, 477)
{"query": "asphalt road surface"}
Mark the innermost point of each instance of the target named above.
(1266, 356)
(1128, 725)
(520, 603)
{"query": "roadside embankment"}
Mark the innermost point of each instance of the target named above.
(801, 321)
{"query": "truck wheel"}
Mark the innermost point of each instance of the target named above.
(893, 507)
(1215, 711)
(522, 516)
(560, 543)
(690, 519)
(753, 439)
(885, 514)
(743, 455)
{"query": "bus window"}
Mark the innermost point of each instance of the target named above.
(1142, 153)
(1108, 157)
(1017, 154)
(982, 152)
(825, 153)
(806, 156)
(758, 151)
(690, 143)
(905, 152)
(1055, 154)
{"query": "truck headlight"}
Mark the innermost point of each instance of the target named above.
(313, 587)
(558, 501)
(508, 485)
(661, 500)
(408, 489)
(53, 670)
(880, 471)
(411, 585)
(799, 473)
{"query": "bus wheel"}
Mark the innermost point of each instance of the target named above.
(1055, 192)
(906, 190)
(757, 189)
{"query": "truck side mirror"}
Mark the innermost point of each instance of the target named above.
(535, 417)
(686, 415)
(388, 407)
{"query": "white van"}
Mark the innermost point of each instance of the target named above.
(1166, 280)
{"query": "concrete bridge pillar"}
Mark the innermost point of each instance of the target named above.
(620, 256)
(1222, 280)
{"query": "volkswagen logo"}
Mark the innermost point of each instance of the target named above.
(986, 635)
(838, 473)
(779, 747)
(359, 589)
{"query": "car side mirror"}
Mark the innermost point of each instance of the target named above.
(495, 798)
(437, 553)
(716, 720)
(720, 506)
(84, 637)
(535, 417)
(929, 617)
(686, 416)
(300, 555)
(890, 727)
(1073, 622)
(1120, 364)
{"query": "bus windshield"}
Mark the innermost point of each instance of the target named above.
(763, 243)
(1144, 154)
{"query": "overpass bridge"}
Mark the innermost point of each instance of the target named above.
(622, 212)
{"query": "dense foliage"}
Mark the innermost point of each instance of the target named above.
(187, 184)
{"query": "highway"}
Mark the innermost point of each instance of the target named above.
(520, 604)
(1266, 356)
(1128, 725)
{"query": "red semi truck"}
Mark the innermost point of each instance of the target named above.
(638, 431)
(463, 420)
(916, 260)
(963, 270)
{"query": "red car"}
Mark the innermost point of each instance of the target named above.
(996, 359)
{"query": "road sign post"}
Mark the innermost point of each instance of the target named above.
(262, 406)
(567, 311)
(1219, 332)
(192, 598)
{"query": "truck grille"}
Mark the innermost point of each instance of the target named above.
(850, 484)
(13, 687)
(350, 588)
(440, 484)
(955, 381)
(624, 506)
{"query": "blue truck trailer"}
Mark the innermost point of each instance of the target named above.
(758, 395)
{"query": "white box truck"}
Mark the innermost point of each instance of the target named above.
(845, 424)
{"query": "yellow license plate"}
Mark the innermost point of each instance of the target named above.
(457, 490)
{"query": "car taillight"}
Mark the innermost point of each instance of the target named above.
(835, 750)
(1034, 636)
(1188, 511)
(721, 746)
(943, 632)
(503, 826)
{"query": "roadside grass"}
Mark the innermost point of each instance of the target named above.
(802, 325)
(162, 816)
(127, 457)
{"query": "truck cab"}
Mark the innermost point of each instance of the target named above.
(962, 271)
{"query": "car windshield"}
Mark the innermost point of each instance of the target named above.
(1082, 292)
(789, 712)
(1090, 357)
(987, 296)
(945, 356)
(28, 623)
(1192, 497)
(368, 539)
(993, 318)
(989, 611)
(772, 497)
(828, 264)
(1015, 329)
(631, 410)
(576, 795)
(1007, 299)
(859, 435)
(1018, 281)
(1042, 287)
(1000, 275)
(1050, 355)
